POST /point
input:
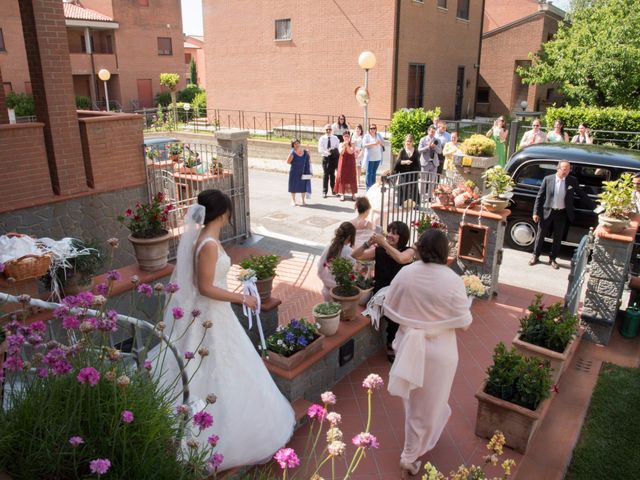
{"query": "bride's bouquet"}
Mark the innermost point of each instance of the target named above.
(248, 278)
(247, 275)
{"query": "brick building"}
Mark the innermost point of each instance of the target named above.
(135, 40)
(512, 29)
(194, 49)
(302, 55)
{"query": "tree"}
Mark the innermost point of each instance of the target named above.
(170, 80)
(193, 71)
(596, 58)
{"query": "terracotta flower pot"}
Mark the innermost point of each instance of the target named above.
(151, 253)
(495, 204)
(291, 362)
(613, 225)
(264, 288)
(558, 361)
(518, 424)
(349, 304)
(73, 286)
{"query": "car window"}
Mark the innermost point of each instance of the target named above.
(591, 177)
(532, 173)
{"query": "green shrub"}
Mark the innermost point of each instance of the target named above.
(479, 146)
(199, 104)
(615, 119)
(188, 94)
(414, 121)
(263, 265)
(83, 103)
(22, 103)
(163, 98)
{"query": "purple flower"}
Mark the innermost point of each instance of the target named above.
(126, 416)
(373, 382)
(108, 323)
(100, 466)
(172, 287)
(316, 411)
(56, 359)
(75, 441)
(365, 440)
(287, 458)
(213, 440)
(14, 343)
(195, 313)
(202, 420)
(114, 275)
(42, 372)
(214, 462)
(177, 312)
(147, 365)
(38, 326)
(145, 289)
(102, 289)
(182, 409)
(70, 322)
(328, 398)
(34, 339)
(89, 375)
(13, 363)
(189, 355)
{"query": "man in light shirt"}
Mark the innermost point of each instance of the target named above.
(534, 135)
(328, 148)
(554, 208)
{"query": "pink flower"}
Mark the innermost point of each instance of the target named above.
(328, 398)
(213, 440)
(147, 365)
(102, 289)
(365, 440)
(316, 411)
(215, 461)
(177, 312)
(202, 420)
(373, 382)
(42, 372)
(99, 466)
(126, 416)
(287, 458)
(182, 409)
(334, 418)
(70, 322)
(195, 313)
(89, 375)
(189, 355)
(172, 287)
(75, 441)
(114, 275)
(38, 326)
(145, 289)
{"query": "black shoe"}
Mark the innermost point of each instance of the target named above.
(554, 265)
(533, 261)
(324, 194)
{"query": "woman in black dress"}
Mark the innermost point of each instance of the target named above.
(408, 163)
(391, 254)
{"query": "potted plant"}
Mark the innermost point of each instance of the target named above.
(474, 286)
(175, 150)
(514, 397)
(500, 185)
(327, 315)
(478, 146)
(444, 194)
(149, 237)
(290, 345)
(191, 162)
(428, 221)
(550, 333)
(265, 268)
(616, 199)
(216, 167)
(365, 285)
(465, 193)
(78, 274)
(345, 292)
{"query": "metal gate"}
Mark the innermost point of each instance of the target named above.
(407, 196)
(197, 167)
(578, 273)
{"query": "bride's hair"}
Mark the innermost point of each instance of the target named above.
(216, 204)
(346, 231)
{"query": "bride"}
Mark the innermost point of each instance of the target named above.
(251, 417)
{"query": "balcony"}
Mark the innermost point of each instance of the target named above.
(81, 63)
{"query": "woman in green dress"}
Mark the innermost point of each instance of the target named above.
(499, 135)
(558, 135)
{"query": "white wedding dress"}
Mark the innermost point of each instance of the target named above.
(251, 417)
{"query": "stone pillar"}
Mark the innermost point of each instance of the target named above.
(4, 114)
(45, 38)
(236, 142)
(472, 168)
(497, 223)
(608, 275)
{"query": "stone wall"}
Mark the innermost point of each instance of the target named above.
(85, 218)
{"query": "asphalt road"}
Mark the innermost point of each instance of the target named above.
(313, 226)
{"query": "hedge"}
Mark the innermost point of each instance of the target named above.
(414, 121)
(613, 119)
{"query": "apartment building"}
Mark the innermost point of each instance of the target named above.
(194, 49)
(512, 29)
(302, 55)
(135, 40)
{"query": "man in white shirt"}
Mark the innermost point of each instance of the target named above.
(328, 148)
(430, 149)
(533, 136)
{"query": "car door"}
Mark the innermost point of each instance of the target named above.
(590, 178)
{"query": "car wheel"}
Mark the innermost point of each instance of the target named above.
(521, 234)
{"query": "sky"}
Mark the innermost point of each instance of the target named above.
(192, 15)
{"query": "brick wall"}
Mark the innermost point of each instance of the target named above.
(4, 114)
(500, 12)
(112, 147)
(15, 69)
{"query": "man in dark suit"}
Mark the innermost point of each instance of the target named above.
(553, 208)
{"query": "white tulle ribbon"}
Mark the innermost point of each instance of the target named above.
(249, 288)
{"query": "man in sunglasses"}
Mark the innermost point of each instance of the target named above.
(328, 148)
(535, 135)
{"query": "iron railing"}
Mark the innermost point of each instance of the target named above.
(578, 273)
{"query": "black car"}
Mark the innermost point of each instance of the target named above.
(590, 164)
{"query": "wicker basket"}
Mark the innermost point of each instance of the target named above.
(28, 266)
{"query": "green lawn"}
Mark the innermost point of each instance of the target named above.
(609, 444)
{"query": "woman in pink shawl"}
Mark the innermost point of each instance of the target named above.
(429, 302)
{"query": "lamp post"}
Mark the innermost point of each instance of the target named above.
(366, 60)
(105, 75)
(524, 104)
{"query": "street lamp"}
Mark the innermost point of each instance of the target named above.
(524, 104)
(366, 60)
(105, 75)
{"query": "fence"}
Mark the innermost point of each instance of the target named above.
(192, 168)
(578, 273)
